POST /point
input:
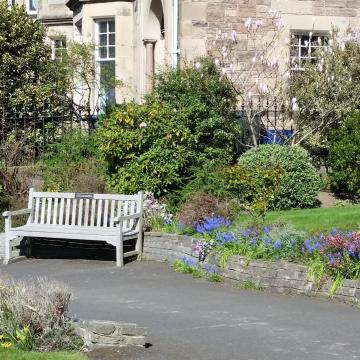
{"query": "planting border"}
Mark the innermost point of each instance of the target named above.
(278, 276)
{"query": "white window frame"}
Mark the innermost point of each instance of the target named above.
(53, 48)
(99, 59)
(29, 11)
(300, 58)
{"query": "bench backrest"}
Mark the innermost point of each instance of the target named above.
(80, 209)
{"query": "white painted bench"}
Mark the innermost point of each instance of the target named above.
(104, 217)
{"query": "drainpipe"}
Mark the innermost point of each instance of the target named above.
(176, 50)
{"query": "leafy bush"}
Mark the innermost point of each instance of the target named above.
(202, 206)
(187, 121)
(299, 182)
(73, 165)
(344, 157)
(36, 316)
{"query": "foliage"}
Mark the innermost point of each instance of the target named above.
(255, 187)
(155, 213)
(344, 157)
(28, 76)
(187, 265)
(202, 206)
(31, 315)
(328, 90)
(250, 285)
(80, 74)
(187, 121)
(299, 183)
(72, 164)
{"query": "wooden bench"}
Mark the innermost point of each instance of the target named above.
(105, 217)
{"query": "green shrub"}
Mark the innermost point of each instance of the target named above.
(72, 164)
(299, 182)
(186, 122)
(344, 157)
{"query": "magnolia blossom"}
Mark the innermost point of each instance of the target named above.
(233, 36)
(263, 88)
(295, 106)
(248, 22)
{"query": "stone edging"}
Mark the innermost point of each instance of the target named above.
(99, 334)
(277, 276)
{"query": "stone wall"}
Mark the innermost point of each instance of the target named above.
(201, 19)
(277, 276)
(99, 334)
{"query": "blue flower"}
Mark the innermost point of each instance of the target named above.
(189, 261)
(226, 237)
(211, 224)
(277, 244)
(211, 269)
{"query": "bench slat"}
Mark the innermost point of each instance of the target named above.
(87, 209)
(132, 211)
(48, 212)
(67, 211)
(37, 209)
(106, 213)
(80, 212)
(112, 213)
(43, 204)
(73, 211)
(99, 213)
(61, 213)
(55, 212)
(93, 209)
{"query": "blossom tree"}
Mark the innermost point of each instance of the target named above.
(310, 101)
(259, 75)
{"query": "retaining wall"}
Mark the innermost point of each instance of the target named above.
(277, 276)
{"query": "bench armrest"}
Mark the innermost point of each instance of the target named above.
(16, 212)
(117, 219)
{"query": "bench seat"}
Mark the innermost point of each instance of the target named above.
(74, 232)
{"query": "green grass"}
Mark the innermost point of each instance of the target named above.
(6, 354)
(344, 218)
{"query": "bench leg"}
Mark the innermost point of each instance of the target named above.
(8, 248)
(119, 249)
(139, 244)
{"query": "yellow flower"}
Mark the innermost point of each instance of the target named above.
(6, 345)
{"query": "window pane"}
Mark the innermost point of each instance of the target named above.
(103, 27)
(107, 79)
(32, 5)
(111, 25)
(112, 39)
(102, 52)
(111, 51)
(103, 39)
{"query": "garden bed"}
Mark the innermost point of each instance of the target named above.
(278, 276)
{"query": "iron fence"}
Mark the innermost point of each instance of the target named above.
(29, 132)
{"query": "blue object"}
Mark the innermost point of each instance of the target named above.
(277, 136)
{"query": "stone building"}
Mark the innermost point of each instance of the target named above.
(135, 37)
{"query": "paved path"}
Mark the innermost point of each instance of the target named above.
(197, 320)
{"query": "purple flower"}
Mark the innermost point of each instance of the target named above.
(277, 244)
(211, 269)
(211, 224)
(189, 261)
(225, 237)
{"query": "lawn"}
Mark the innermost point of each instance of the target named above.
(343, 218)
(28, 355)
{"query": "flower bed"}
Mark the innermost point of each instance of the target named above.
(277, 258)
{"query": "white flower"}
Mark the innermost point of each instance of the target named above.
(319, 40)
(233, 36)
(248, 22)
(142, 125)
(217, 62)
(197, 65)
